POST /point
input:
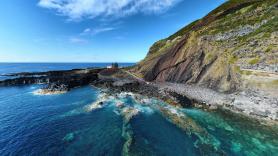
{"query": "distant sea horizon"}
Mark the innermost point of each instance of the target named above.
(17, 67)
(67, 62)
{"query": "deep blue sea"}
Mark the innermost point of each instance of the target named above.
(8, 68)
(88, 121)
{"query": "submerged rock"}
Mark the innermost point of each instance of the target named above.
(69, 137)
(48, 92)
(52, 89)
(189, 126)
(128, 113)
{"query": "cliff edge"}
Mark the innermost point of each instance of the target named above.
(232, 50)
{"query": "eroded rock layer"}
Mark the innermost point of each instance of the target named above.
(232, 48)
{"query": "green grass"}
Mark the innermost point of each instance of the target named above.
(235, 19)
(209, 57)
(156, 46)
(274, 82)
(267, 35)
(236, 4)
(233, 59)
(266, 29)
(237, 68)
(269, 48)
(230, 19)
(246, 72)
(254, 61)
(242, 72)
(184, 30)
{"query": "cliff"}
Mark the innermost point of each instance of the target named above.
(234, 47)
(232, 51)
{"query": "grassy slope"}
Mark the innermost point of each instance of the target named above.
(232, 14)
(225, 18)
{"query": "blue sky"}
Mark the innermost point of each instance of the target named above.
(91, 30)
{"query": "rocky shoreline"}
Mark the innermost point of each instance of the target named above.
(180, 95)
(56, 81)
(250, 102)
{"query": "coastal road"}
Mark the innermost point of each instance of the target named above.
(136, 77)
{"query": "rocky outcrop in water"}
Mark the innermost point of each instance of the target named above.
(53, 88)
(57, 81)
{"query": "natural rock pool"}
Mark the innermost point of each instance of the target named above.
(88, 121)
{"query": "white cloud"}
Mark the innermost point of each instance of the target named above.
(79, 9)
(89, 31)
(78, 40)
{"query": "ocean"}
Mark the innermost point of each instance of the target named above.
(88, 121)
(7, 68)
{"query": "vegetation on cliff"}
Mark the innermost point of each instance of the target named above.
(226, 50)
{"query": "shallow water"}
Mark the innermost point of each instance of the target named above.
(87, 121)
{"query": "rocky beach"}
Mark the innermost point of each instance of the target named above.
(180, 95)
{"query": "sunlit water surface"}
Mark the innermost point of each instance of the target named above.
(87, 121)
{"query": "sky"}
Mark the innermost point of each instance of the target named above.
(91, 30)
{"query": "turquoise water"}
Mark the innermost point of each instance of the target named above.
(88, 121)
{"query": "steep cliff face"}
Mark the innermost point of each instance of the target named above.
(232, 48)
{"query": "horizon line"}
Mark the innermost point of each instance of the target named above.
(71, 62)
